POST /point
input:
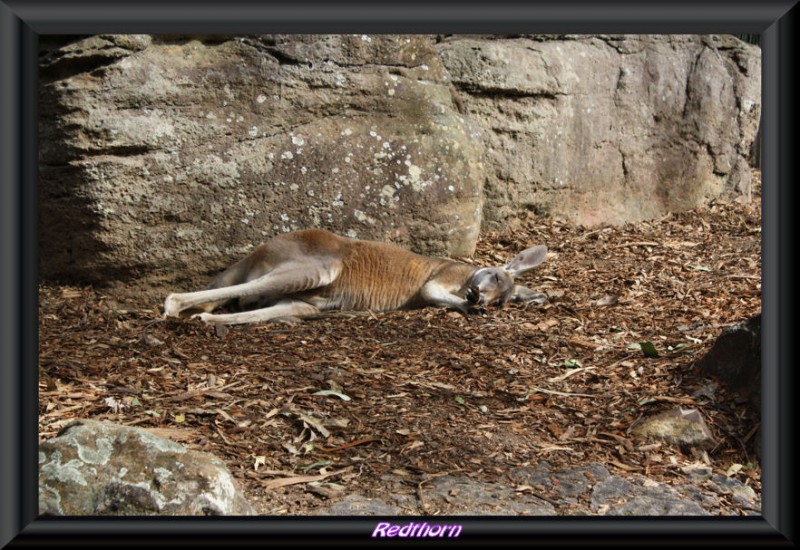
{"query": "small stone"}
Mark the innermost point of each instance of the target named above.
(678, 426)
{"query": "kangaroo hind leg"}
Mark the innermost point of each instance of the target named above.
(285, 308)
(283, 280)
(240, 272)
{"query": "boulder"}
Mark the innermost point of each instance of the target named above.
(99, 468)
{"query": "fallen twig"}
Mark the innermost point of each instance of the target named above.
(283, 482)
(348, 445)
(199, 391)
(537, 389)
(638, 243)
(569, 373)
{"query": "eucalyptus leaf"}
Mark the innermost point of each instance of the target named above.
(649, 349)
(341, 396)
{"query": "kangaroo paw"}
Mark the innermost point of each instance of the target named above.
(539, 299)
(207, 318)
(172, 306)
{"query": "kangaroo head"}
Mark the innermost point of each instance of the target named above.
(489, 286)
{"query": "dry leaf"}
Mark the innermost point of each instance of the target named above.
(607, 300)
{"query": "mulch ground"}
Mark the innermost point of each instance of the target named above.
(306, 413)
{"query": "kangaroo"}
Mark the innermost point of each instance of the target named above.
(303, 273)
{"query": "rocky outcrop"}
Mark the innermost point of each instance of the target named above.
(99, 468)
(542, 490)
(162, 159)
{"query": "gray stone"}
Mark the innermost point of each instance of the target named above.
(698, 473)
(619, 497)
(658, 505)
(568, 484)
(99, 468)
(677, 426)
(460, 495)
(358, 505)
(743, 495)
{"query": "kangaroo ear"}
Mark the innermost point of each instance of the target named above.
(526, 260)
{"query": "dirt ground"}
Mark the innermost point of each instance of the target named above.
(424, 393)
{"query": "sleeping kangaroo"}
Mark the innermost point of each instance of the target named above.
(304, 273)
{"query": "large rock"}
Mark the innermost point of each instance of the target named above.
(163, 159)
(99, 468)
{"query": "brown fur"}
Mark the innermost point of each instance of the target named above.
(313, 270)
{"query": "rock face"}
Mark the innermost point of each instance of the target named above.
(609, 128)
(99, 468)
(163, 159)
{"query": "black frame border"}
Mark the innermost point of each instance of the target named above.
(22, 22)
